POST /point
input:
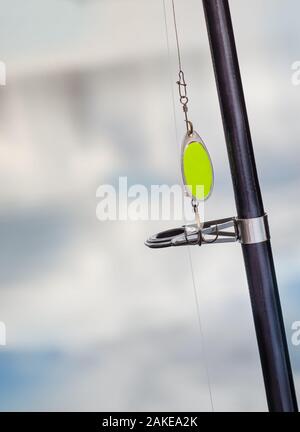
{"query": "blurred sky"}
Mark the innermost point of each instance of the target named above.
(95, 320)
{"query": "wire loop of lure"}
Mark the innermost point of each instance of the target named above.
(183, 98)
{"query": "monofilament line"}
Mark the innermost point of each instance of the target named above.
(176, 34)
(195, 292)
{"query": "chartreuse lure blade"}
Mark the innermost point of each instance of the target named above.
(197, 169)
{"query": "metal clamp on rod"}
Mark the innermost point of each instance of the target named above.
(255, 230)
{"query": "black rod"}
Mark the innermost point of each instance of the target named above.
(258, 257)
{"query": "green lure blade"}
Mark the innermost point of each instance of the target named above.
(196, 167)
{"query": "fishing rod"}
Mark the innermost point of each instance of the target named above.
(250, 226)
(259, 265)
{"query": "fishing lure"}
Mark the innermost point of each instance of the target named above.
(196, 165)
(198, 182)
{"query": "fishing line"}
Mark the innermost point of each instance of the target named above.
(195, 291)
